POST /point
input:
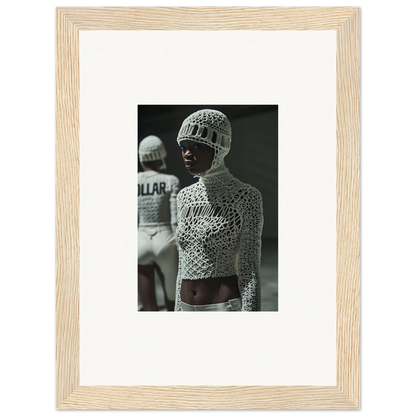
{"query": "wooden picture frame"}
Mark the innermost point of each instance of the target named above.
(69, 393)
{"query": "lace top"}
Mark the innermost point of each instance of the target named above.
(157, 198)
(220, 221)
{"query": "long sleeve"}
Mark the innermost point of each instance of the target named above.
(175, 187)
(178, 306)
(250, 250)
(138, 216)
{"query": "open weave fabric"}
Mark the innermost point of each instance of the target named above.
(157, 198)
(220, 219)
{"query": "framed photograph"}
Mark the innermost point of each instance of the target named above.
(253, 159)
(288, 79)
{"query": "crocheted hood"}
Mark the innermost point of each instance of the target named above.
(152, 148)
(212, 128)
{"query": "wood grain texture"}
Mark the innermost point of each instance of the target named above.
(207, 397)
(70, 395)
(348, 207)
(207, 18)
(67, 208)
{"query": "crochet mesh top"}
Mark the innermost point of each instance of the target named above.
(220, 221)
(157, 198)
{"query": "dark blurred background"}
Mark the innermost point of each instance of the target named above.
(253, 159)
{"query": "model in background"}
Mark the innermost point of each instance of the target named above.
(220, 220)
(156, 225)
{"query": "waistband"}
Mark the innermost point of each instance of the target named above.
(232, 305)
(159, 226)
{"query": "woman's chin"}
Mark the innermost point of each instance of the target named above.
(192, 170)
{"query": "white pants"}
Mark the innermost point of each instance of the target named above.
(156, 244)
(233, 305)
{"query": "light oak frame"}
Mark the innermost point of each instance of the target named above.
(69, 393)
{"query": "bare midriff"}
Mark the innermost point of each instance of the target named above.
(211, 290)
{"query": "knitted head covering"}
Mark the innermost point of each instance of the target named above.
(152, 148)
(210, 127)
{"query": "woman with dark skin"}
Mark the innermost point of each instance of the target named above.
(198, 159)
(219, 224)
